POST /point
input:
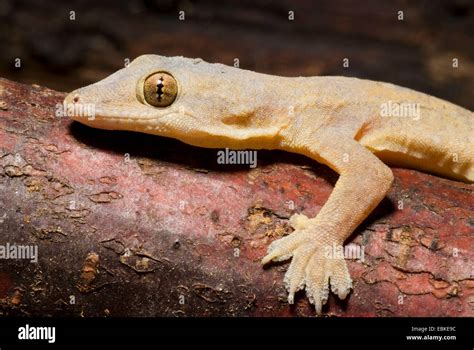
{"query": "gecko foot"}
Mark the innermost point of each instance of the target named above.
(311, 268)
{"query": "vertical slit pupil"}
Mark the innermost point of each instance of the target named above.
(159, 89)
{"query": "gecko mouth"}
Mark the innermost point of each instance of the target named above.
(88, 113)
(117, 119)
(82, 109)
(113, 116)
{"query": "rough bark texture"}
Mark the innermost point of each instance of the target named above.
(135, 225)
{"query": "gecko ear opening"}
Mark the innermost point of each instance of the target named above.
(159, 89)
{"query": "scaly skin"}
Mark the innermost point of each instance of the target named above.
(333, 120)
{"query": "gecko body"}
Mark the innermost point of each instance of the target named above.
(354, 126)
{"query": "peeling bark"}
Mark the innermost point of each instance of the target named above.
(135, 225)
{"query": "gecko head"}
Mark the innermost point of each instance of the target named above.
(178, 97)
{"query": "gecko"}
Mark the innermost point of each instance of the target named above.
(356, 127)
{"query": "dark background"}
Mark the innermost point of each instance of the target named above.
(417, 52)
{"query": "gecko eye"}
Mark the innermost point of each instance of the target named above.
(160, 89)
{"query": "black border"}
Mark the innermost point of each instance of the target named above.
(355, 332)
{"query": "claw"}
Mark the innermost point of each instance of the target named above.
(268, 258)
(317, 282)
(295, 276)
(281, 249)
(341, 282)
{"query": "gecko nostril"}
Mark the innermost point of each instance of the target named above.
(76, 98)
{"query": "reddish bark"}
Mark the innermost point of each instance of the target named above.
(136, 225)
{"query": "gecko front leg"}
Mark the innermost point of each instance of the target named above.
(363, 182)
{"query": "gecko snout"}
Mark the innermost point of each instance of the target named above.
(72, 98)
(75, 107)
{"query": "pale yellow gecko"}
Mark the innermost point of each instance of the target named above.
(354, 126)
